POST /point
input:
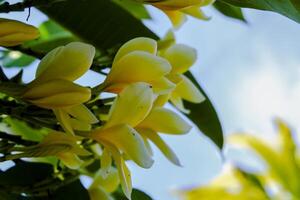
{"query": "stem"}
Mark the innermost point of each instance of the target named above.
(16, 139)
(98, 89)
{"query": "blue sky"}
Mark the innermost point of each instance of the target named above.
(251, 73)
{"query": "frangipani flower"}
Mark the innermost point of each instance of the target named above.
(136, 61)
(14, 32)
(177, 10)
(231, 184)
(118, 135)
(53, 87)
(181, 57)
(58, 144)
(164, 121)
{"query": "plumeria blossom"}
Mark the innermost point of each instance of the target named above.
(64, 147)
(177, 10)
(162, 120)
(181, 57)
(137, 61)
(53, 87)
(280, 178)
(14, 32)
(118, 135)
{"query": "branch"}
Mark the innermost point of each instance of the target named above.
(6, 7)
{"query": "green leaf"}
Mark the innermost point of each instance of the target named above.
(229, 10)
(52, 35)
(205, 117)
(289, 8)
(21, 128)
(15, 59)
(138, 10)
(101, 23)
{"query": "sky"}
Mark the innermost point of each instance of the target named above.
(251, 72)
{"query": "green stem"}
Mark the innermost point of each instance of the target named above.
(98, 89)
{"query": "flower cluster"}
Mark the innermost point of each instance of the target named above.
(177, 10)
(143, 78)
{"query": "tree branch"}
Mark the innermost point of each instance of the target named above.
(6, 7)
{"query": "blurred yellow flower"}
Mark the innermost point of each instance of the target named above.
(137, 61)
(53, 87)
(118, 135)
(181, 57)
(177, 10)
(279, 180)
(14, 32)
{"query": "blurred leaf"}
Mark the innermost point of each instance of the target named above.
(136, 9)
(15, 59)
(21, 128)
(205, 117)
(52, 35)
(289, 8)
(229, 10)
(112, 25)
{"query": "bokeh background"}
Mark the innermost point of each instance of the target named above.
(250, 71)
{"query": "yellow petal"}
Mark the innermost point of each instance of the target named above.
(137, 66)
(14, 32)
(164, 148)
(70, 160)
(110, 183)
(177, 4)
(178, 103)
(66, 62)
(181, 57)
(177, 18)
(165, 121)
(57, 94)
(106, 162)
(131, 106)
(163, 86)
(126, 139)
(188, 91)
(137, 44)
(64, 120)
(167, 41)
(195, 12)
(97, 193)
(161, 100)
(82, 113)
(124, 173)
(80, 125)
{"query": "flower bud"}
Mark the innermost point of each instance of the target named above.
(14, 33)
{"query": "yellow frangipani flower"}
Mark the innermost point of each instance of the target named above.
(14, 32)
(137, 61)
(181, 57)
(177, 10)
(53, 87)
(164, 121)
(58, 144)
(232, 184)
(118, 135)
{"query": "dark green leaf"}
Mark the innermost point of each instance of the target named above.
(205, 117)
(25, 173)
(289, 8)
(229, 10)
(136, 9)
(136, 195)
(101, 23)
